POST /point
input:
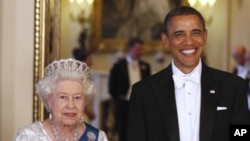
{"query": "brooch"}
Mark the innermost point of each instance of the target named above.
(91, 136)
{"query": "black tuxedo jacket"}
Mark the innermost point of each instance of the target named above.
(235, 71)
(119, 77)
(153, 113)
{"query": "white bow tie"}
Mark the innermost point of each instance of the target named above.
(179, 80)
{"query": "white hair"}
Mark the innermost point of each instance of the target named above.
(46, 86)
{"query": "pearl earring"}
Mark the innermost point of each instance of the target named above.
(50, 116)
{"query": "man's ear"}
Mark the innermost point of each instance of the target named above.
(164, 39)
(205, 35)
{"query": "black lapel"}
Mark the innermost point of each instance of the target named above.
(164, 90)
(143, 69)
(124, 70)
(209, 93)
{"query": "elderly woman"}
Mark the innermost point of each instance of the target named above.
(64, 90)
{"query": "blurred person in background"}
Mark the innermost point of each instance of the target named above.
(123, 75)
(238, 54)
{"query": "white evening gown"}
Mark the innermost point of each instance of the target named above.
(36, 132)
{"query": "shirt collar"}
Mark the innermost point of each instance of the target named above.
(130, 60)
(177, 71)
(241, 68)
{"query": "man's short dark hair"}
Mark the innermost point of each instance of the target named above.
(80, 54)
(134, 41)
(180, 11)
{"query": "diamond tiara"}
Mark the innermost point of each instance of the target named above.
(66, 64)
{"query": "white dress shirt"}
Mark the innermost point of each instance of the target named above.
(188, 99)
(133, 72)
(242, 71)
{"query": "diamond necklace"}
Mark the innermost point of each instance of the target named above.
(55, 133)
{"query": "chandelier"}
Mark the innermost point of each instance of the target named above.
(81, 10)
(205, 7)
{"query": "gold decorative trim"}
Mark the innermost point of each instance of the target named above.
(46, 47)
(39, 47)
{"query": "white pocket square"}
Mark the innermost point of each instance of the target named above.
(219, 108)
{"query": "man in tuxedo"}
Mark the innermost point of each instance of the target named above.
(123, 75)
(247, 65)
(187, 101)
(238, 54)
(242, 59)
